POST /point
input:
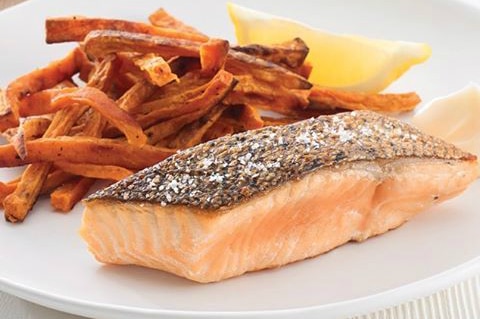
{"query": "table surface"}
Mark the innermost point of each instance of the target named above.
(457, 302)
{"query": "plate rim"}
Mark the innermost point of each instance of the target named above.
(357, 306)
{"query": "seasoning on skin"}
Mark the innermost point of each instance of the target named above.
(226, 171)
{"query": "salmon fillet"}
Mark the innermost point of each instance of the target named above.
(265, 198)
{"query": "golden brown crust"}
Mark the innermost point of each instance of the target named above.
(229, 170)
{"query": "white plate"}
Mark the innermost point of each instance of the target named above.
(44, 260)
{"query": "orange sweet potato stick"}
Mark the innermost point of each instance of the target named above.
(213, 55)
(111, 172)
(66, 196)
(41, 79)
(163, 19)
(76, 28)
(107, 108)
(84, 149)
(332, 98)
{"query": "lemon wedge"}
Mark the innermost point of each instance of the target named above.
(348, 62)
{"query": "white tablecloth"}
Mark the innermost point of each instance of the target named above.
(461, 301)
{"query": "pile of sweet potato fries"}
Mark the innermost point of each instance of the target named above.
(131, 94)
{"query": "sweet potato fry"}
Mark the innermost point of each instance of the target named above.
(304, 70)
(66, 196)
(127, 61)
(218, 129)
(101, 79)
(331, 98)
(288, 98)
(18, 141)
(77, 130)
(94, 171)
(178, 94)
(76, 28)
(250, 91)
(101, 43)
(192, 134)
(35, 127)
(165, 141)
(107, 108)
(163, 19)
(83, 149)
(247, 116)
(289, 54)
(240, 63)
(32, 128)
(104, 71)
(95, 125)
(281, 105)
(6, 189)
(156, 69)
(53, 180)
(18, 203)
(84, 64)
(276, 121)
(4, 108)
(213, 55)
(131, 100)
(135, 96)
(183, 65)
(217, 89)
(124, 82)
(8, 134)
(233, 122)
(57, 179)
(251, 118)
(41, 79)
(35, 104)
(39, 103)
(7, 121)
(22, 199)
(189, 85)
(166, 128)
(127, 65)
(64, 120)
(128, 74)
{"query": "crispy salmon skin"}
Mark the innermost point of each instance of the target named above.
(272, 196)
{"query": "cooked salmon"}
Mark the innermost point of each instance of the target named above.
(265, 198)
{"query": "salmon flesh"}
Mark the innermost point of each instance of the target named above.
(269, 197)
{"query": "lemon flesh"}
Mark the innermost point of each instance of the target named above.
(348, 62)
